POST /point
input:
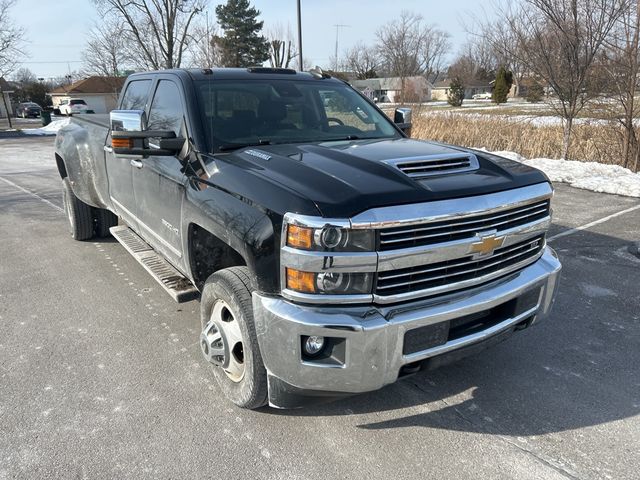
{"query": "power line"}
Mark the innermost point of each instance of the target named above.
(55, 61)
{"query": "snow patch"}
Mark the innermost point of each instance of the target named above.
(596, 291)
(593, 176)
(50, 129)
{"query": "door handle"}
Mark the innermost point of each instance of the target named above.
(136, 163)
(107, 149)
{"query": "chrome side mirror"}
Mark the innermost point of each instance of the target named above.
(130, 137)
(128, 120)
(402, 118)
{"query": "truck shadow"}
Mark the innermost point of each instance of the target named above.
(576, 369)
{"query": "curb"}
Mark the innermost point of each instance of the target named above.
(15, 134)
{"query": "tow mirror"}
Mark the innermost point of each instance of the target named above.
(402, 118)
(130, 137)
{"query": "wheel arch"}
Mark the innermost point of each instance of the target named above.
(62, 169)
(209, 254)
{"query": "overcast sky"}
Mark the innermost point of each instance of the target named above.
(57, 29)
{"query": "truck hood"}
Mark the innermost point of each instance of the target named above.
(346, 178)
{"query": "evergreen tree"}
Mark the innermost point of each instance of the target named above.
(501, 89)
(456, 92)
(242, 44)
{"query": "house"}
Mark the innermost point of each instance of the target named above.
(5, 100)
(100, 93)
(441, 89)
(389, 89)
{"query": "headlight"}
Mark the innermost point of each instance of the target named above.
(330, 238)
(329, 283)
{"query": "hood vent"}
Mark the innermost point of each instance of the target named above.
(430, 165)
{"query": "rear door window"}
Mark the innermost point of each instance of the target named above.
(135, 97)
(166, 112)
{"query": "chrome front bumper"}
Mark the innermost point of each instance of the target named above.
(373, 336)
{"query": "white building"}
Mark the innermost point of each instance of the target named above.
(99, 93)
(389, 89)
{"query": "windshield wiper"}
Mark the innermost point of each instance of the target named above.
(237, 146)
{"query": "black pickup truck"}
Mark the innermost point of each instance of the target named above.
(331, 253)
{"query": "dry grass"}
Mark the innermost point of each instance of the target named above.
(591, 142)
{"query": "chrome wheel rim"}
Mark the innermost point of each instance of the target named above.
(221, 341)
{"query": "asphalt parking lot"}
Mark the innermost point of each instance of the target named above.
(101, 375)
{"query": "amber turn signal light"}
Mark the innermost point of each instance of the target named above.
(122, 142)
(301, 281)
(299, 237)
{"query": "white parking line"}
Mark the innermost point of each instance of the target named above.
(29, 192)
(591, 224)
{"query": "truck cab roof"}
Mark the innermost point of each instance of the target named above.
(240, 74)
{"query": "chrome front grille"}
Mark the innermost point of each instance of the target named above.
(460, 272)
(425, 166)
(458, 229)
(431, 248)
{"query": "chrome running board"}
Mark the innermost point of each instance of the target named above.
(173, 282)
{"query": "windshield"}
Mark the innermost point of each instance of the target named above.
(78, 102)
(265, 111)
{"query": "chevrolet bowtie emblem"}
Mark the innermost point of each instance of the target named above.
(487, 244)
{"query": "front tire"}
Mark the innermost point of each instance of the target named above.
(78, 213)
(228, 340)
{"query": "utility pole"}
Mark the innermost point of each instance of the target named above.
(338, 27)
(208, 42)
(301, 67)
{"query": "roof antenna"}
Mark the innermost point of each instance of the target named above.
(318, 73)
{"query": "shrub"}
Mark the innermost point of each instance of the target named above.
(456, 93)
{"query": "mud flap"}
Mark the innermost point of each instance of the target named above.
(285, 396)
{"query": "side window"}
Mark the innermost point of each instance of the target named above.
(166, 112)
(135, 97)
(340, 107)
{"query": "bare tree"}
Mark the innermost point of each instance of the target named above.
(158, 29)
(203, 49)
(475, 62)
(408, 47)
(11, 39)
(11, 42)
(24, 76)
(499, 46)
(559, 40)
(282, 49)
(362, 60)
(435, 45)
(106, 52)
(621, 63)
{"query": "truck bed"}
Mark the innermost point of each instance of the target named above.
(100, 119)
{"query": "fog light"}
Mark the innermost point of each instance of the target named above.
(313, 345)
